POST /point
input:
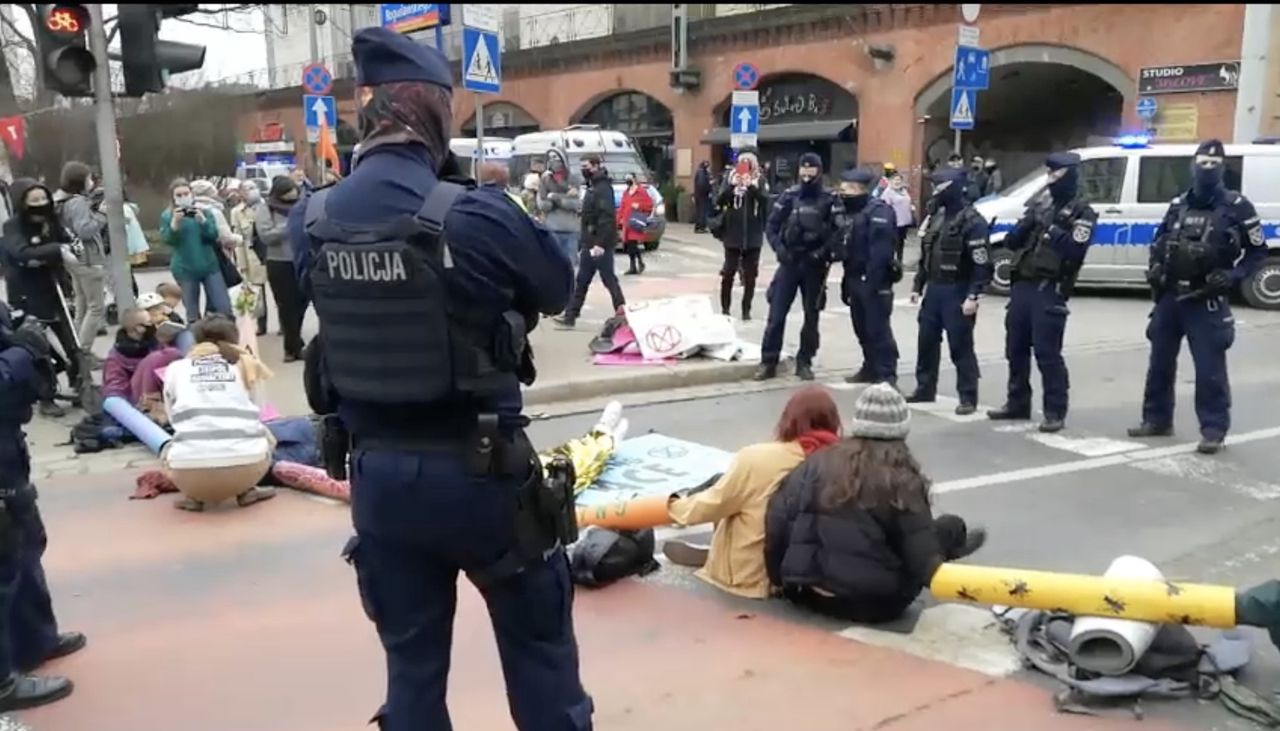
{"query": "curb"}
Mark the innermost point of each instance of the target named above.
(662, 378)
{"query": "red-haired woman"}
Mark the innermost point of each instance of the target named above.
(850, 531)
(736, 503)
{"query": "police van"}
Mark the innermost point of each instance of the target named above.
(1130, 184)
(617, 151)
(496, 149)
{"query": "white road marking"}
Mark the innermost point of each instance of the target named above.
(1085, 446)
(1017, 427)
(945, 408)
(956, 634)
(1212, 472)
(1083, 465)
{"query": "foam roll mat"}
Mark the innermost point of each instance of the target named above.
(1111, 646)
(146, 430)
(648, 511)
(1142, 600)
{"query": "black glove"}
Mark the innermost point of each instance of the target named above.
(1218, 281)
(30, 337)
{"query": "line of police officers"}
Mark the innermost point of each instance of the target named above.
(1210, 241)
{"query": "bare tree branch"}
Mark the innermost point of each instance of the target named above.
(218, 26)
(18, 36)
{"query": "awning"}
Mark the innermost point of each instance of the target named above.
(824, 130)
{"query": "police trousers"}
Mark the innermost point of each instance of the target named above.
(1035, 321)
(871, 311)
(941, 311)
(809, 279)
(28, 629)
(420, 519)
(1210, 330)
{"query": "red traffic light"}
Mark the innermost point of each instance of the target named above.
(67, 20)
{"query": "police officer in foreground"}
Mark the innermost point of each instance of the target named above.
(871, 269)
(28, 630)
(426, 289)
(804, 231)
(1210, 241)
(1048, 243)
(954, 269)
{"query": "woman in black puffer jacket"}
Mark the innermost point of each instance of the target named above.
(850, 533)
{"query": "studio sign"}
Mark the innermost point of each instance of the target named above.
(1224, 75)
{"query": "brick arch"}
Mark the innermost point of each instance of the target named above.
(471, 115)
(1085, 61)
(765, 77)
(591, 102)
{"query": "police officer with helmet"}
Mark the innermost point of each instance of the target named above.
(954, 269)
(871, 269)
(426, 289)
(804, 231)
(1049, 244)
(1210, 241)
(29, 634)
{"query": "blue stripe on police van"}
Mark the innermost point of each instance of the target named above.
(1135, 233)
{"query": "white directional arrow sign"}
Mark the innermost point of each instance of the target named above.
(319, 109)
(744, 121)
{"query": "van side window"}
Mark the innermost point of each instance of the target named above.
(1102, 179)
(1161, 179)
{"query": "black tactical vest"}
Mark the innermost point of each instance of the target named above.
(945, 244)
(1039, 260)
(1190, 253)
(807, 225)
(390, 333)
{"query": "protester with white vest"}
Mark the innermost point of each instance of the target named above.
(220, 447)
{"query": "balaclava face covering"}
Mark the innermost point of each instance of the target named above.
(1208, 168)
(813, 184)
(1067, 182)
(854, 196)
(948, 189)
(408, 111)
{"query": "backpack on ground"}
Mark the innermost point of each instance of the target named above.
(602, 556)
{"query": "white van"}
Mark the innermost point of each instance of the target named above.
(1130, 185)
(496, 149)
(616, 150)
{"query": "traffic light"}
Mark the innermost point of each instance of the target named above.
(60, 39)
(149, 61)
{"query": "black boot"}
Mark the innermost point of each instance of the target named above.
(1150, 430)
(1052, 425)
(51, 410)
(565, 321)
(862, 376)
(1209, 445)
(632, 269)
(1007, 413)
(29, 691)
(765, 372)
(804, 372)
(639, 263)
(69, 643)
(965, 409)
(916, 397)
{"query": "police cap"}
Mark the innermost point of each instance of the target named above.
(950, 175)
(383, 57)
(811, 159)
(858, 175)
(1211, 148)
(1059, 160)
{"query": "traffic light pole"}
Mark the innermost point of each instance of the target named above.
(112, 179)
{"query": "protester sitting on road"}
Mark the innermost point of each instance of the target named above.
(850, 533)
(146, 388)
(273, 228)
(738, 500)
(193, 236)
(220, 448)
(135, 339)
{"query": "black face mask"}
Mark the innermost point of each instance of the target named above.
(40, 213)
(855, 203)
(1207, 181)
(1064, 188)
(587, 173)
(131, 348)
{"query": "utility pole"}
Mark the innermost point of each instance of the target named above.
(318, 174)
(112, 179)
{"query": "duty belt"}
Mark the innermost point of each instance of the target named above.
(482, 446)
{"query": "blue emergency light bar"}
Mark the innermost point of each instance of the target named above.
(1133, 142)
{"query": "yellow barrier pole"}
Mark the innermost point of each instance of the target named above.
(1097, 596)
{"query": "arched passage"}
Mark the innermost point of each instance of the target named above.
(642, 118)
(502, 119)
(799, 113)
(1041, 98)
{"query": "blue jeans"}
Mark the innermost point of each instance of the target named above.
(569, 245)
(216, 297)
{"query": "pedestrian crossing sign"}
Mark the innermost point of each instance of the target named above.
(964, 107)
(482, 69)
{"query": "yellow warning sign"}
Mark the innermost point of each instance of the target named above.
(1177, 122)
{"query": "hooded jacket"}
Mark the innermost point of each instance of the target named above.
(272, 220)
(32, 256)
(81, 221)
(558, 202)
(599, 213)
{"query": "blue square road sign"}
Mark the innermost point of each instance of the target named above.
(972, 68)
(744, 119)
(320, 108)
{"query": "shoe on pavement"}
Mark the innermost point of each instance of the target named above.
(681, 553)
(255, 495)
(1150, 430)
(765, 372)
(1004, 413)
(804, 372)
(189, 505)
(966, 409)
(29, 691)
(68, 643)
(915, 397)
(51, 410)
(974, 539)
(564, 322)
(1051, 425)
(860, 377)
(1209, 445)
(746, 314)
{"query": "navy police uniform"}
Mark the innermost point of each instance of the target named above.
(1049, 244)
(955, 267)
(804, 232)
(28, 630)
(871, 269)
(1209, 242)
(425, 290)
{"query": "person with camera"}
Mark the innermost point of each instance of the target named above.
(32, 252)
(426, 289)
(29, 634)
(79, 212)
(193, 237)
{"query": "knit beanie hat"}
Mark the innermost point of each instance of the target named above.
(880, 413)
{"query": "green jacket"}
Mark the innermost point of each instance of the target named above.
(193, 245)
